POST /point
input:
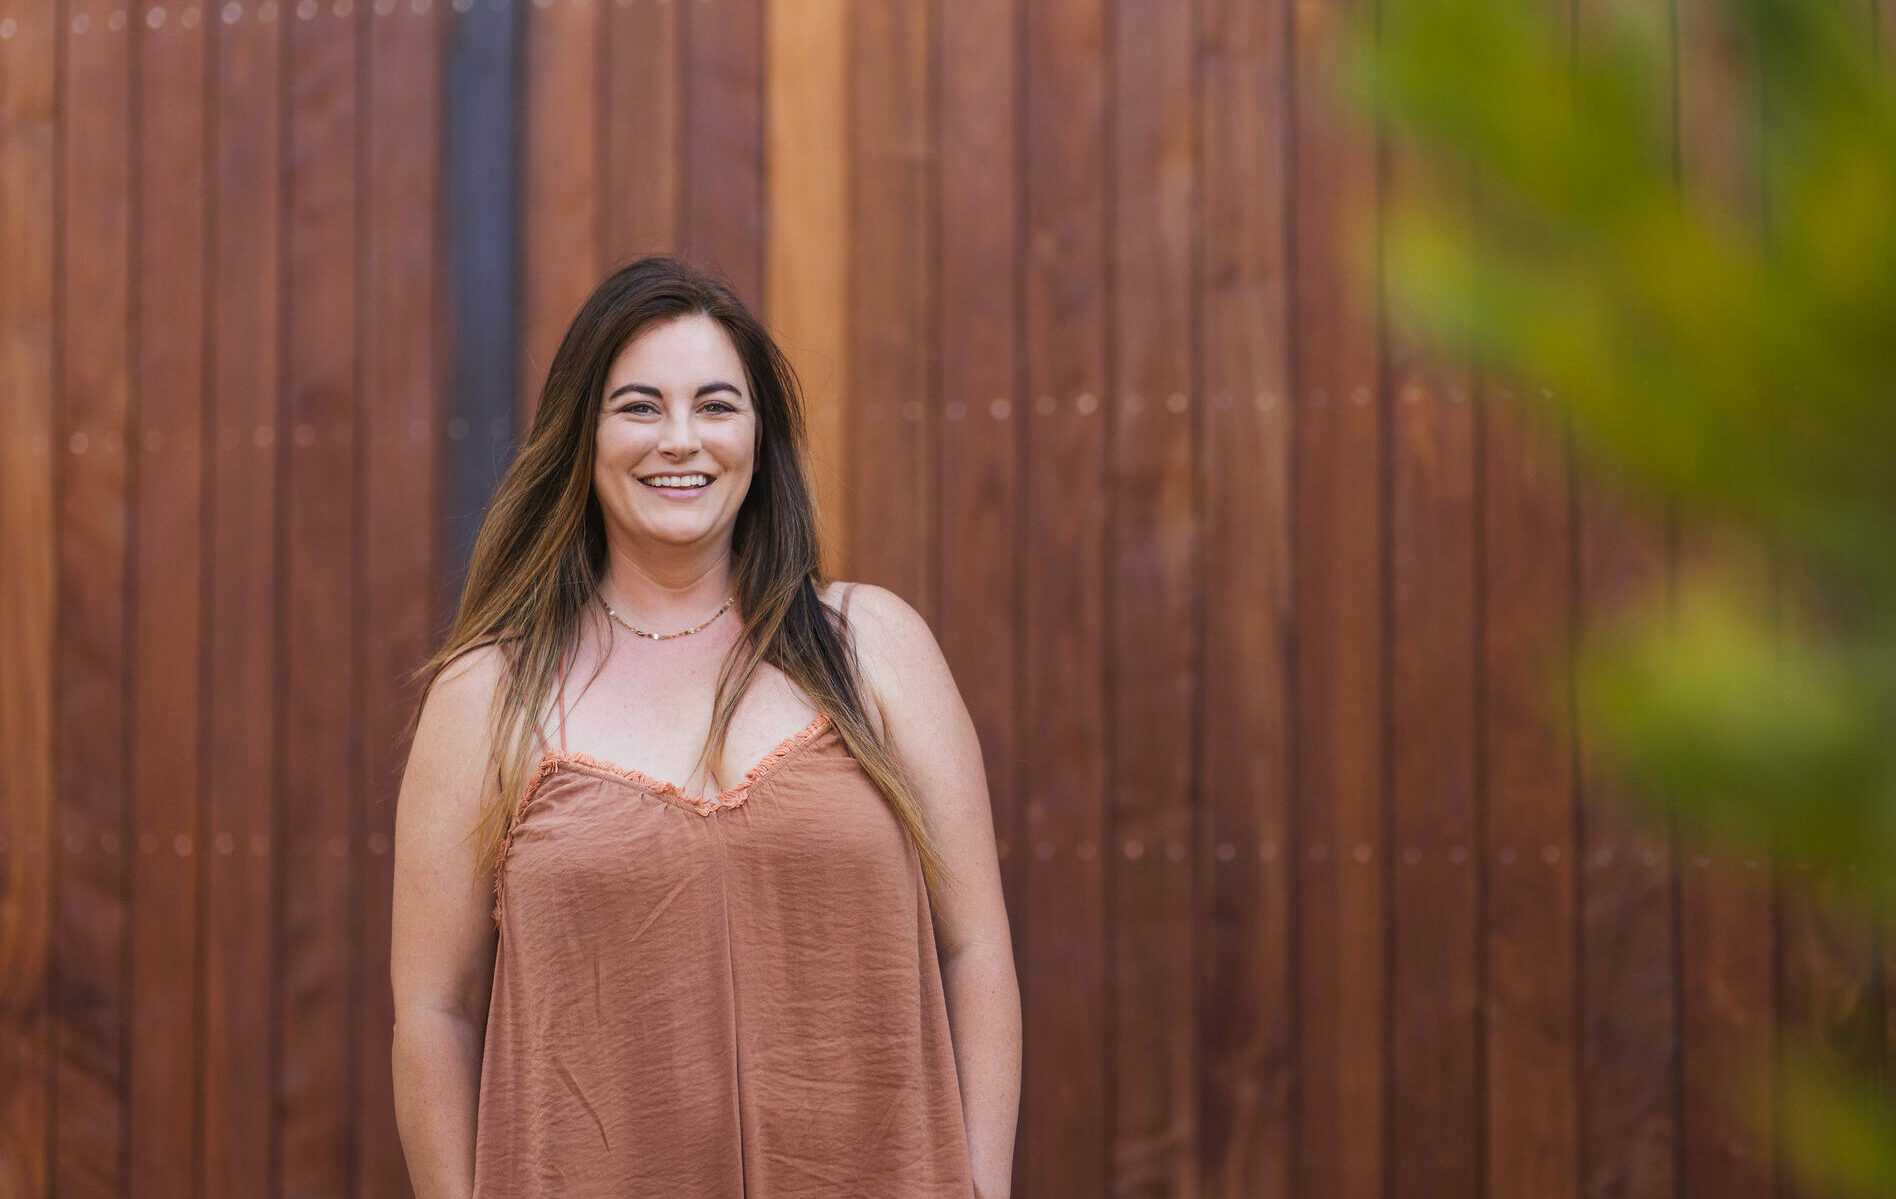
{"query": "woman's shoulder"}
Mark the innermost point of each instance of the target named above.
(875, 613)
(891, 637)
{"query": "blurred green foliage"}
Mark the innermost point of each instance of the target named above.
(1738, 358)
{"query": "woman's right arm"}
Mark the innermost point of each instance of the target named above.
(442, 938)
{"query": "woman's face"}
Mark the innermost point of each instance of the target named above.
(676, 404)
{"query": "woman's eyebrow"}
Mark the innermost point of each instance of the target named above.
(655, 393)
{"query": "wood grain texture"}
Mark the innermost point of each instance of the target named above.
(562, 251)
(1341, 526)
(1630, 926)
(981, 368)
(1067, 1132)
(238, 1124)
(403, 386)
(723, 204)
(31, 455)
(1435, 916)
(322, 489)
(1151, 600)
(642, 193)
(91, 995)
(893, 411)
(169, 576)
(1531, 917)
(806, 281)
(1247, 994)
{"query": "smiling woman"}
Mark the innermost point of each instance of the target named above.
(798, 951)
(687, 442)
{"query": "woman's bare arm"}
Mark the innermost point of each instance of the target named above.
(928, 727)
(442, 937)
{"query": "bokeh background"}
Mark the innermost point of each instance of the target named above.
(1262, 604)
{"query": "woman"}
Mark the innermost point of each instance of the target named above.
(683, 825)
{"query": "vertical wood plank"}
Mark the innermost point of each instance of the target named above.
(1068, 1107)
(1531, 900)
(806, 271)
(642, 124)
(1435, 918)
(806, 276)
(1634, 996)
(29, 458)
(1247, 1027)
(1631, 997)
(723, 201)
(1532, 983)
(981, 368)
(483, 149)
(400, 553)
(319, 672)
(1342, 870)
(891, 251)
(169, 577)
(91, 988)
(560, 183)
(238, 1125)
(1729, 934)
(1152, 600)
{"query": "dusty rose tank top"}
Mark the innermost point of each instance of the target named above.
(729, 995)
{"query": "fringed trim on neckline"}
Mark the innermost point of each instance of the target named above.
(725, 800)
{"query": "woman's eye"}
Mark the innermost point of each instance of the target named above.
(644, 406)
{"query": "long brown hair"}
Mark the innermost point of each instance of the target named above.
(542, 548)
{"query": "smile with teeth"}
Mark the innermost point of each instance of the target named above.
(677, 482)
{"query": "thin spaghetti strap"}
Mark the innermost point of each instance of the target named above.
(563, 666)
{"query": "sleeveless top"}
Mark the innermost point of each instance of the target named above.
(729, 995)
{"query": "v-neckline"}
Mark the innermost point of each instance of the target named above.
(731, 797)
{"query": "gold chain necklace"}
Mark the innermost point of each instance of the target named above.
(666, 636)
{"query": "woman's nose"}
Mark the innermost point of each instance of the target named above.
(678, 433)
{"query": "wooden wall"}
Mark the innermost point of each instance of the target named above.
(1252, 594)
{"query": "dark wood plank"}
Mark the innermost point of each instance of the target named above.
(1068, 1108)
(91, 989)
(723, 204)
(981, 432)
(1435, 918)
(318, 677)
(169, 577)
(1532, 983)
(1631, 998)
(1342, 868)
(30, 456)
(891, 381)
(1728, 992)
(1531, 901)
(643, 122)
(1152, 601)
(1247, 999)
(560, 183)
(483, 169)
(240, 986)
(403, 378)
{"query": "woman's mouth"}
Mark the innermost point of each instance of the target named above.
(679, 486)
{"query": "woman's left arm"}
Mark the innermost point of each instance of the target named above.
(928, 728)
